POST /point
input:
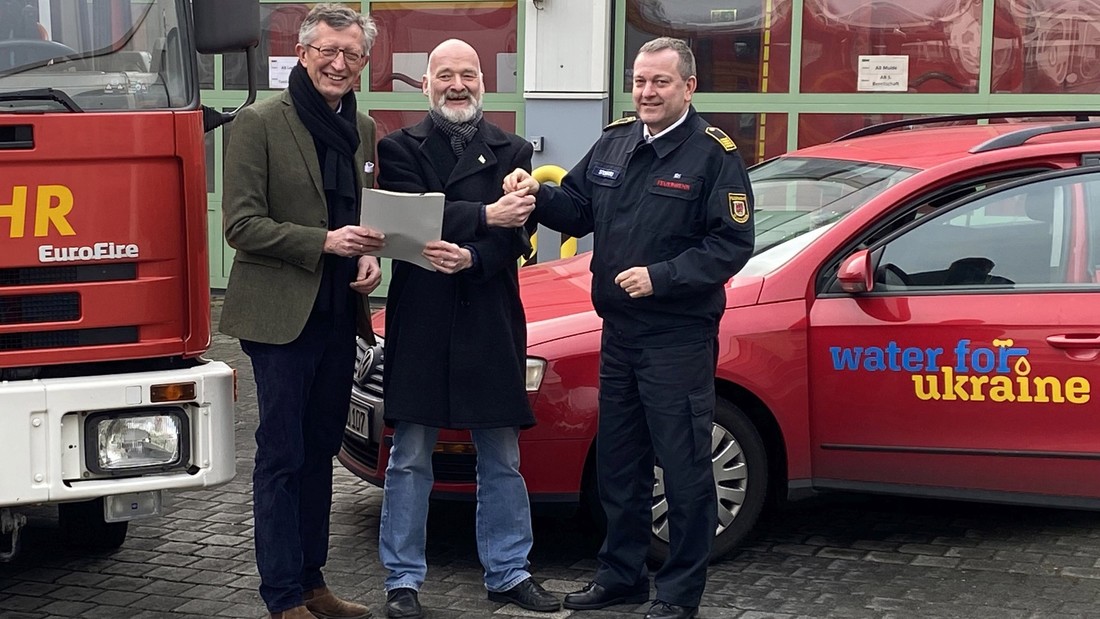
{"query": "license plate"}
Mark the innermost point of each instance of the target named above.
(361, 420)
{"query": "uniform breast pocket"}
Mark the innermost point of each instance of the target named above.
(605, 178)
(672, 203)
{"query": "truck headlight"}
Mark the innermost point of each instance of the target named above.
(150, 440)
(535, 369)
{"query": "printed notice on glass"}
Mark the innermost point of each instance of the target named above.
(409, 220)
(278, 70)
(883, 74)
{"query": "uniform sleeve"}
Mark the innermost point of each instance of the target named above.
(398, 171)
(568, 208)
(246, 215)
(729, 239)
(499, 248)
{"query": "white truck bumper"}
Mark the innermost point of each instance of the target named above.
(44, 454)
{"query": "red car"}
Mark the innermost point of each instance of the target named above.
(921, 317)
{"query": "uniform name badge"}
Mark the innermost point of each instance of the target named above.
(739, 207)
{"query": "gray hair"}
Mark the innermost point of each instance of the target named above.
(687, 58)
(337, 17)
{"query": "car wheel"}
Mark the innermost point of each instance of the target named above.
(740, 463)
(82, 525)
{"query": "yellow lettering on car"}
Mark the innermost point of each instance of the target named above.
(52, 204)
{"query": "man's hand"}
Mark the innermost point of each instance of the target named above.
(369, 275)
(635, 281)
(521, 179)
(352, 241)
(447, 257)
(511, 210)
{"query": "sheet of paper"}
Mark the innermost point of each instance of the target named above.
(409, 221)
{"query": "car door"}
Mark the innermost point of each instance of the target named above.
(970, 367)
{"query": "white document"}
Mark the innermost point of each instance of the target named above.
(409, 221)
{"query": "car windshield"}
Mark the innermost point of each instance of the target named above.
(93, 55)
(798, 195)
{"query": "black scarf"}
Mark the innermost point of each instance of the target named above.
(336, 137)
(459, 133)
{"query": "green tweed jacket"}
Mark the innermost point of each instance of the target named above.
(275, 216)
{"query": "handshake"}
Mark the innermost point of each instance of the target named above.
(517, 203)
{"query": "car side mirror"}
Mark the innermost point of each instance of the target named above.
(855, 273)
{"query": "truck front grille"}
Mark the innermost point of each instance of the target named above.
(32, 308)
(69, 274)
(69, 338)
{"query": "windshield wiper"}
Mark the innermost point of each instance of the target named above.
(42, 94)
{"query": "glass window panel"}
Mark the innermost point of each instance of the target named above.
(408, 31)
(1020, 237)
(387, 121)
(279, 24)
(820, 128)
(208, 140)
(206, 71)
(1046, 46)
(942, 41)
(739, 45)
(758, 136)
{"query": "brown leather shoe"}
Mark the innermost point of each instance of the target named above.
(298, 612)
(325, 605)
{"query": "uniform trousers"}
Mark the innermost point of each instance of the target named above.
(656, 405)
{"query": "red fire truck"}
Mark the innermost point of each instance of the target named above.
(105, 399)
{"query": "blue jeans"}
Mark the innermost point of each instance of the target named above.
(303, 389)
(503, 511)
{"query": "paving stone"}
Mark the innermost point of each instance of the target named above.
(831, 556)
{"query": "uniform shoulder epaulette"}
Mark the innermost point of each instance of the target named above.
(625, 120)
(723, 139)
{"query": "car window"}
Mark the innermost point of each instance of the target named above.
(795, 195)
(1032, 235)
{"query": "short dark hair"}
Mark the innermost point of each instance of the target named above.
(687, 57)
(338, 17)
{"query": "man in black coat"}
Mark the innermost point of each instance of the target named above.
(456, 337)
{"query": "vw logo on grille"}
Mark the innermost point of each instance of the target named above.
(362, 371)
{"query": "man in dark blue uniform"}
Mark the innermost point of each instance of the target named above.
(670, 205)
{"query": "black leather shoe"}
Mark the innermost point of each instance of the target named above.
(594, 596)
(528, 594)
(664, 610)
(402, 603)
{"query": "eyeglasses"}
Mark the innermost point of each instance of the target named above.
(331, 52)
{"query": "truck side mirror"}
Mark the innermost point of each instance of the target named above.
(223, 26)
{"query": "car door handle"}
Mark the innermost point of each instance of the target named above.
(1074, 341)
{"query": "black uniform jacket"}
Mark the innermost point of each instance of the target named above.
(456, 345)
(680, 205)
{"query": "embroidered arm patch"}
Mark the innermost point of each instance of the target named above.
(739, 207)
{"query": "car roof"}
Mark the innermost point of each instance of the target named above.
(926, 147)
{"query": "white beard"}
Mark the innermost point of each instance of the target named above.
(459, 115)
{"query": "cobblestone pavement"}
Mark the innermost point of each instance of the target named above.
(832, 556)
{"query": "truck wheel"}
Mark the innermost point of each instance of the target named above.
(82, 525)
(740, 463)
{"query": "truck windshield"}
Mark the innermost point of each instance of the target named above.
(102, 55)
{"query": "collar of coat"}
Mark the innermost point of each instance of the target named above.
(490, 133)
(666, 143)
